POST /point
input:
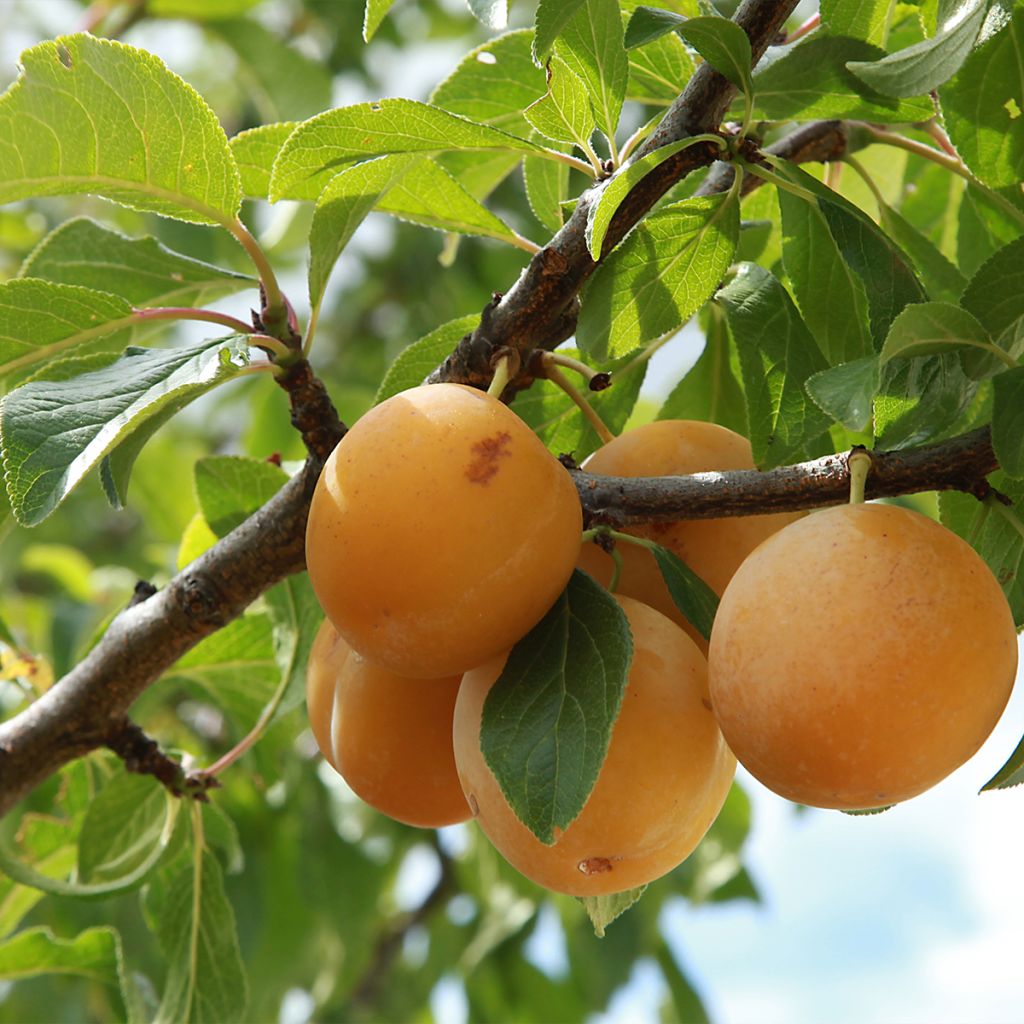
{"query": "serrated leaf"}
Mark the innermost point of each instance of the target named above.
(691, 595)
(997, 538)
(861, 19)
(941, 279)
(557, 420)
(231, 487)
(983, 106)
(659, 71)
(591, 45)
(415, 362)
(845, 393)
(829, 292)
(548, 720)
(295, 615)
(1008, 420)
(920, 399)
(255, 151)
(931, 328)
(324, 145)
(342, 207)
(547, 187)
(40, 320)
(861, 811)
(195, 927)
(30, 875)
(646, 24)
(123, 826)
(995, 294)
(602, 910)
(920, 68)
(92, 115)
(777, 356)
(94, 954)
(563, 113)
(491, 13)
(659, 275)
(710, 390)
(54, 432)
(600, 214)
(374, 14)
(290, 86)
(140, 270)
(551, 18)
(724, 45)
(982, 227)
(812, 81)
(1011, 774)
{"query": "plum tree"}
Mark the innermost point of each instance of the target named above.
(713, 548)
(487, 534)
(388, 736)
(859, 656)
(665, 777)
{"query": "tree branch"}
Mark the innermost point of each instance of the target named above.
(539, 310)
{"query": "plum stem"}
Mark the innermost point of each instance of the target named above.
(859, 464)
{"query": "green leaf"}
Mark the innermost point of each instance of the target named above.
(996, 535)
(92, 115)
(724, 45)
(659, 71)
(547, 721)
(845, 393)
(231, 487)
(1011, 774)
(659, 275)
(94, 954)
(920, 68)
(600, 214)
(563, 113)
(777, 355)
(591, 45)
(424, 355)
(375, 12)
(255, 151)
(602, 910)
(296, 616)
(492, 13)
(982, 227)
(710, 390)
(995, 295)
(861, 19)
(54, 432)
(811, 81)
(921, 399)
(685, 1000)
(236, 667)
(29, 875)
(198, 10)
(691, 595)
(329, 142)
(1008, 420)
(558, 421)
(342, 207)
(194, 924)
(289, 86)
(547, 187)
(551, 18)
(983, 104)
(140, 270)
(941, 279)
(646, 24)
(930, 328)
(40, 320)
(122, 828)
(829, 292)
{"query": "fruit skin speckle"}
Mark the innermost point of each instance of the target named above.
(486, 455)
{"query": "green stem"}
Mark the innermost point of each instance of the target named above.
(188, 313)
(867, 179)
(859, 465)
(573, 161)
(595, 160)
(502, 375)
(274, 312)
(777, 180)
(521, 242)
(555, 375)
(613, 554)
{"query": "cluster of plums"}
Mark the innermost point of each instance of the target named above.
(858, 656)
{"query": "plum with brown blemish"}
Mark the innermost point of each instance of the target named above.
(663, 782)
(440, 532)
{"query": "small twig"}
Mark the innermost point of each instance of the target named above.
(312, 413)
(142, 754)
(188, 313)
(805, 29)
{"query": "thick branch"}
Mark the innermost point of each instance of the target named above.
(958, 464)
(539, 310)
